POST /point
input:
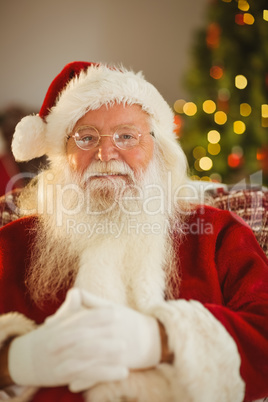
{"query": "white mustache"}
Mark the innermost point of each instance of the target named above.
(111, 168)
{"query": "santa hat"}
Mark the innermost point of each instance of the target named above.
(80, 87)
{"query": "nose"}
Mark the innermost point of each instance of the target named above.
(106, 150)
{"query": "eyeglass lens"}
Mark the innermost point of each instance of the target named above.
(125, 137)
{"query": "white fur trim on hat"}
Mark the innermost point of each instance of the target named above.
(89, 90)
(100, 85)
(29, 140)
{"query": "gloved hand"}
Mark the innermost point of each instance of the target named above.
(71, 343)
(138, 332)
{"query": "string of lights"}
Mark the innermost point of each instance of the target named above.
(223, 128)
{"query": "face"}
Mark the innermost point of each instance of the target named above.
(106, 120)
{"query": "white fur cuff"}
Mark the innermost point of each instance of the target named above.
(207, 362)
(11, 325)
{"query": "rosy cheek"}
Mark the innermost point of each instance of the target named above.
(80, 160)
(138, 161)
(143, 156)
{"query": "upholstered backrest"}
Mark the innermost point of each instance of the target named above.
(8, 210)
(252, 206)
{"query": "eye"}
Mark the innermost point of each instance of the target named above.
(126, 136)
(86, 137)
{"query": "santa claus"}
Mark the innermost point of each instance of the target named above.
(116, 284)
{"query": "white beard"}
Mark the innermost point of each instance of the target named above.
(104, 235)
(124, 260)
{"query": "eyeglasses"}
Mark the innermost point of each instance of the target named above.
(124, 137)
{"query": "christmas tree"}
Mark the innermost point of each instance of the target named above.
(223, 127)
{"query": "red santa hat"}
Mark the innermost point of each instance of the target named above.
(80, 87)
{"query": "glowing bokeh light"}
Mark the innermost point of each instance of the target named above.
(196, 166)
(213, 35)
(220, 117)
(264, 110)
(214, 149)
(245, 109)
(264, 122)
(241, 82)
(239, 19)
(195, 177)
(234, 160)
(265, 15)
(190, 108)
(243, 5)
(178, 105)
(209, 106)
(178, 124)
(213, 136)
(249, 19)
(205, 163)
(199, 152)
(262, 154)
(216, 72)
(239, 127)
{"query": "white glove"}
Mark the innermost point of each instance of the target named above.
(71, 343)
(138, 332)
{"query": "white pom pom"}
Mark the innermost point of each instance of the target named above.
(29, 140)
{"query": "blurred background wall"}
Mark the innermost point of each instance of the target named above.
(39, 37)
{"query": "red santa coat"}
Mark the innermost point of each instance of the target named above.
(224, 275)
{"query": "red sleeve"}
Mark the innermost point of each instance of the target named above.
(229, 273)
(57, 394)
(243, 273)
